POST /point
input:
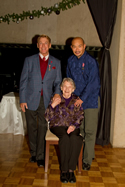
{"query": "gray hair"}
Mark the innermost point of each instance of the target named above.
(44, 36)
(70, 81)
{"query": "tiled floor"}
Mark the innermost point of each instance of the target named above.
(107, 170)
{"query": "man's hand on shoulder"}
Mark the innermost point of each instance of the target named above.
(56, 100)
(23, 106)
(78, 102)
(56, 96)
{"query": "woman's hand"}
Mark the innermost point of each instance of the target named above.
(70, 129)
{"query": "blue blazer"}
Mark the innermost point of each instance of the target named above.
(31, 81)
(85, 73)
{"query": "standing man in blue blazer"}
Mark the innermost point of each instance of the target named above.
(40, 80)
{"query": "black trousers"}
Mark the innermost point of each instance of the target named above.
(37, 127)
(69, 145)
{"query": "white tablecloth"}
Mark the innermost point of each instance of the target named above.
(12, 119)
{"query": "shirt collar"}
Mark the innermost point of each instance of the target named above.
(46, 57)
(83, 56)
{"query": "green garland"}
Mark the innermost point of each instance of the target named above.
(64, 5)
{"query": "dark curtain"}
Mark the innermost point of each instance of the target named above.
(104, 15)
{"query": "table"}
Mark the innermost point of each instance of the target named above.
(12, 119)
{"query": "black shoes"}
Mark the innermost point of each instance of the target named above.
(33, 159)
(64, 177)
(67, 176)
(40, 163)
(72, 178)
(86, 166)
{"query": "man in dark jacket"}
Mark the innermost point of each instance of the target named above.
(83, 69)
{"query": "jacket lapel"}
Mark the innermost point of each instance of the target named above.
(48, 69)
(38, 65)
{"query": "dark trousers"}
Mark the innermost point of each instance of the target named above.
(69, 145)
(88, 130)
(37, 127)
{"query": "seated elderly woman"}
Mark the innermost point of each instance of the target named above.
(64, 120)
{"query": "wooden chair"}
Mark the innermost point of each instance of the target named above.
(52, 139)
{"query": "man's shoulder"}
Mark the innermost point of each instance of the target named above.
(71, 58)
(52, 58)
(32, 57)
(90, 61)
(89, 57)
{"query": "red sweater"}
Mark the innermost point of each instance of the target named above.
(43, 67)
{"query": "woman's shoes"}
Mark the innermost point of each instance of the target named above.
(67, 176)
(72, 178)
(64, 177)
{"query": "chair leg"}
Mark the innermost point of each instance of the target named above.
(80, 160)
(47, 156)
